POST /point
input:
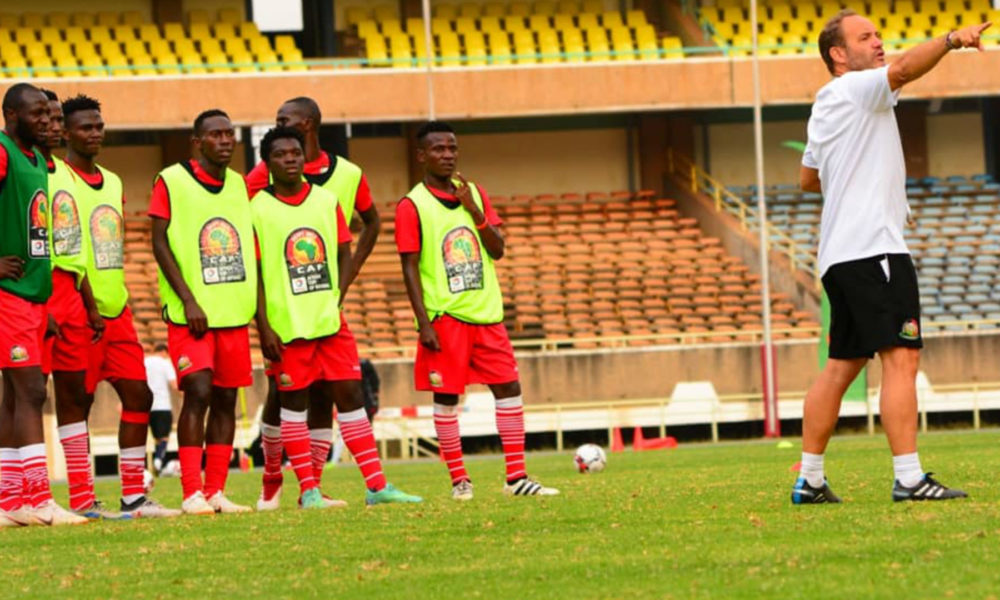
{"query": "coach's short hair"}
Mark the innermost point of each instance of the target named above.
(833, 35)
(79, 103)
(277, 133)
(204, 116)
(432, 127)
(308, 106)
(13, 99)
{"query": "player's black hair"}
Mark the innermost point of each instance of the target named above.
(78, 103)
(13, 99)
(208, 114)
(309, 107)
(52, 96)
(433, 127)
(278, 133)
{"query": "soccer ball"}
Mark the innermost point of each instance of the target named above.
(590, 458)
(147, 481)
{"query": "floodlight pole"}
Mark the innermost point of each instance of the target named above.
(772, 426)
(429, 44)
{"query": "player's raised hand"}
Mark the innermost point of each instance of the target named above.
(970, 37)
(429, 339)
(464, 195)
(11, 267)
(270, 344)
(197, 322)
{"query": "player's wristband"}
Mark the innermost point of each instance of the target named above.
(483, 225)
(947, 42)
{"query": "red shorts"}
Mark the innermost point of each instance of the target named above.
(71, 350)
(331, 358)
(22, 331)
(118, 354)
(469, 354)
(224, 352)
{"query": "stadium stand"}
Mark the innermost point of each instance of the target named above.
(584, 270)
(955, 242)
(122, 44)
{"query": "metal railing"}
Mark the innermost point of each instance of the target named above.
(699, 181)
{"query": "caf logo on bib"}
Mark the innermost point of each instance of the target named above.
(463, 260)
(306, 259)
(65, 224)
(38, 226)
(107, 234)
(221, 253)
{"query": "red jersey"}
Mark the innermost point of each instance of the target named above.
(408, 221)
(258, 179)
(94, 180)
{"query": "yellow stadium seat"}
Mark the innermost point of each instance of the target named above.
(488, 24)
(672, 45)
(612, 19)
(159, 48)
(184, 46)
(197, 15)
(904, 7)
(563, 21)
(41, 66)
(439, 26)
(828, 9)
(767, 44)
(133, 18)
(499, 43)
(993, 16)
(233, 45)
(107, 18)
(798, 28)
(149, 32)
(248, 29)
(367, 28)
(445, 11)
(284, 43)
(207, 46)
(782, 13)
(741, 46)
(494, 9)
(167, 64)
(524, 48)
(953, 6)
(216, 62)
(49, 35)
(645, 33)
(774, 28)
(293, 60)
(267, 60)
(58, 19)
(587, 21)
(16, 66)
(475, 49)
(390, 26)
(384, 12)
(60, 49)
(225, 30)
(67, 66)
(621, 42)
(519, 9)
(465, 25)
(469, 10)
(243, 62)
(890, 38)
(569, 7)
(232, 16)
(33, 20)
(199, 31)
(375, 51)
(83, 19)
(573, 45)
(134, 48)
(920, 22)
(173, 31)
(192, 63)
(260, 45)
(9, 21)
(539, 22)
(597, 44)
(647, 47)
(123, 33)
(513, 24)
(25, 36)
(635, 18)
(402, 54)
(420, 49)
(35, 51)
(108, 48)
(548, 46)
(732, 14)
(355, 14)
(451, 54)
(414, 25)
(593, 6)
(895, 22)
(545, 7)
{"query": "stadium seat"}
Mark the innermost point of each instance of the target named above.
(384, 12)
(33, 20)
(597, 44)
(133, 18)
(108, 18)
(230, 15)
(198, 16)
(58, 19)
(401, 51)
(469, 10)
(445, 11)
(621, 41)
(494, 9)
(499, 47)
(524, 47)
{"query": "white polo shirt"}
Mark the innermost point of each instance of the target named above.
(854, 143)
(159, 375)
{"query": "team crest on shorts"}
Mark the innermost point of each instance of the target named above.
(910, 330)
(183, 363)
(285, 380)
(436, 379)
(18, 354)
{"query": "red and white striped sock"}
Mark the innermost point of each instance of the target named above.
(11, 479)
(357, 434)
(295, 436)
(270, 444)
(320, 441)
(190, 459)
(217, 459)
(131, 464)
(36, 473)
(510, 425)
(75, 440)
(446, 426)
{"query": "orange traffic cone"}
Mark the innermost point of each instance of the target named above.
(616, 440)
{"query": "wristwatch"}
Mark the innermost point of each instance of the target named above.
(947, 42)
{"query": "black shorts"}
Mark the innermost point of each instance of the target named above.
(870, 310)
(159, 423)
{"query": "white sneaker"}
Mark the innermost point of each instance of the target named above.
(527, 486)
(224, 505)
(145, 508)
(8, 521)
(21, 515)
(195, 504)
(265, 504)
(462, 490)
(50, 513)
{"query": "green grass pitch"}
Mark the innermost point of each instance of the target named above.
(701, 521)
